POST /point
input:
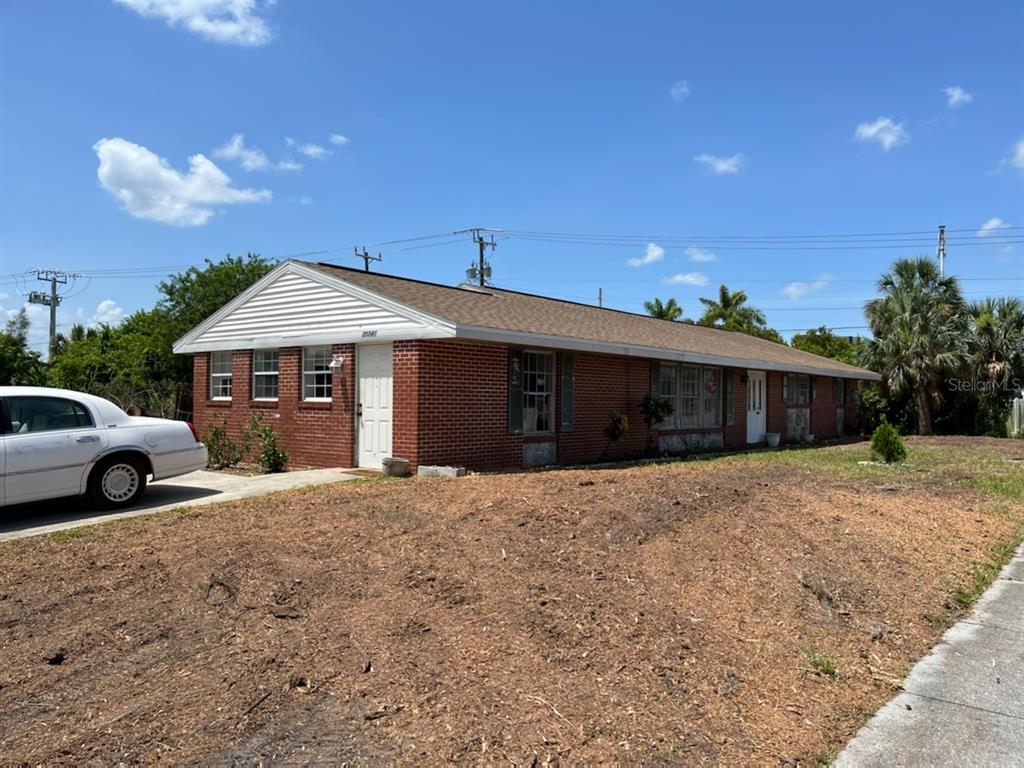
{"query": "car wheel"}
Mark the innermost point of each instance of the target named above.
(117, 482)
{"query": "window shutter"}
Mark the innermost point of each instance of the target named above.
(515, 391)
(730, 401)
(785, 388)
(814, 389)
(655, 378)
(568, 373)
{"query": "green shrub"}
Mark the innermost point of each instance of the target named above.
(224, 452)
(887, 445)
(270, 456)
(618, 426)
(655, 409)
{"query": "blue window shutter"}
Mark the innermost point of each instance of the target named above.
(730, 400)
(515, 391)
(568, 388)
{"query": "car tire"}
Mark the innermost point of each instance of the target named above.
(117, 482)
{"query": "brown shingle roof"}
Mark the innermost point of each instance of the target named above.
(505, 310)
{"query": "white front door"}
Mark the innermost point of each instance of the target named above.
(373, 407)
(756, 416)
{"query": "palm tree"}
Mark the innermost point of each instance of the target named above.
(670, 310)
(920, 333)
(996, 353)
(731, 311)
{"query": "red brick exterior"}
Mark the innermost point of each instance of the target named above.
(314, 434)
(450, 406)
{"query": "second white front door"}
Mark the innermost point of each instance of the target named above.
(756, 415)
(373, 405)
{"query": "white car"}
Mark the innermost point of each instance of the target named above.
(55, 442)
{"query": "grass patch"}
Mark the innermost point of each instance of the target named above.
(1008, 487)
(985, 573)
(72, 534)
(820, 664)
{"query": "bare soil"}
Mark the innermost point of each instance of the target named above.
(677, 614)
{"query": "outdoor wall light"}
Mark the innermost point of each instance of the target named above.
(336, 362)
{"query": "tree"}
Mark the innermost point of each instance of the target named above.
(19, 365)
(822, 341)
(670, 310)
(134, 364)
(996, 349)
(732, 313)
(919, 331)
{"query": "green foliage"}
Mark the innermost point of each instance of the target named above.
(887, 445)
(617, 428)
(820, 664)
(822, 341)
(996, 349)
(270, 455)
(669, 310)
(655, 409)
(224, 452)
(732, 313)
(920, 333)
(133, 364)
(19, 365)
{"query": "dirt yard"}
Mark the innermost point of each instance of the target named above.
(745, 610)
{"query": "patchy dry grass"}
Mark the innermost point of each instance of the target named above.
(747, 610)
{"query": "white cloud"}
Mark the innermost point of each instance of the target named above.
(886, 132)
(235, 149)
(149, 188)
(653, 253)
(957, 96)
(991, 225)
(289, 165)
(1016, 156)
(700, 255)
(314, 151)
(679, 90)
(4, 295)
(686, 278)
(108, 312)
(799, 289)
(721, 165)
(305, 200)
(337, 138)
(221, 21)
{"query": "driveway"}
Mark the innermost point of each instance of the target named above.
(189, 490)
(963, 704)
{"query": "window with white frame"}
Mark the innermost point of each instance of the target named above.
(316, 373)
(220, 375)
(838, 391)
(538, 391)
(264, 374)
(695, 393)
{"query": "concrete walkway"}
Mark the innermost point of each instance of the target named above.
(189, 490)
(963, 704)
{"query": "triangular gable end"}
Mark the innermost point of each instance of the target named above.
(297, 306)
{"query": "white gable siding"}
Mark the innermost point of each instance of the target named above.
(293, 309)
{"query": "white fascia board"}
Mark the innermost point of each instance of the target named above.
(308, 340)
(521, 338)
(437, 328)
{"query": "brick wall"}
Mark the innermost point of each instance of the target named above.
(313, 433)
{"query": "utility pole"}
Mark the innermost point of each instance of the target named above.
(367, 258)
(600, 298)
(52, 300)
(482, 270)
(942, 250)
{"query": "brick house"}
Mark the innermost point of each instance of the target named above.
(351, 367)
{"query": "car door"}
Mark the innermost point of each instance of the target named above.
(48, 444)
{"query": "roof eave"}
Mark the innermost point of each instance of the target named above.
(522, 338)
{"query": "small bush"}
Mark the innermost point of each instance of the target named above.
(618, 426)
(224, 452)
(887, 445)
(655, 409)
(270, 456)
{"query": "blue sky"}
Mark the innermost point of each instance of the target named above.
(678, 125)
